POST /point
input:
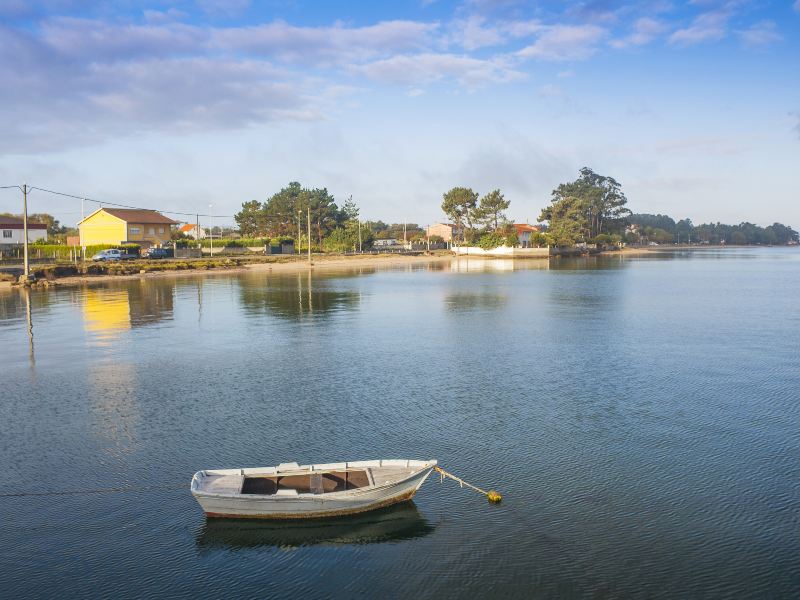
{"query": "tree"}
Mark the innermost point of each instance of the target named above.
(490, 211)
(683, 230)
(324, 212)
(251, 219)
(568, 221)
(53, 226)
(349, 210)
(458, 204)
(345, 239)
(585, 208)
(282, 211)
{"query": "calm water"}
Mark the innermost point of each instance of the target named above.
(641, 417)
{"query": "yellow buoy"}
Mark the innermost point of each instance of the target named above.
(493, 496)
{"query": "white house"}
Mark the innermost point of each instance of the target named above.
(11, 231)
(190, 229)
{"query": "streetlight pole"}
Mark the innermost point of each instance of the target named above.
(25, 228)
(309, 236)
(210, 231)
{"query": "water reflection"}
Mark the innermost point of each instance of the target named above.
(112, 396)
(29, 318)
(394, 523)
(466, 301)
(14, 304)
(483, 265)
(298, 296)
(110, 311)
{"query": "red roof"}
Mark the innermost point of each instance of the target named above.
(16, 223)
(188, 227)
(135, 215)
(521, 227)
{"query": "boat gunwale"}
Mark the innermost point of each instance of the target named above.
(344, 494)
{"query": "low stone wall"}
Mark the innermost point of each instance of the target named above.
(502, 252)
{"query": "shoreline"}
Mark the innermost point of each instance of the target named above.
(294, 264)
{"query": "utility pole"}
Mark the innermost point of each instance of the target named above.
(404, 233)
(298, 233)
(210, 233)
(26, 271)
(358, 222)
(80, 235)
(197, 233)
(309, 236)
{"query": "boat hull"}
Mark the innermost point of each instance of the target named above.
(307, 506)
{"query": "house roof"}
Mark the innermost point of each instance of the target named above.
(16, 223)
(450, 225)
(188, 227)
(136, 215)
(526, 227)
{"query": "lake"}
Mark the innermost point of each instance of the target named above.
(639, 414)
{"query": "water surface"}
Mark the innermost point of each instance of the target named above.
(640, 416)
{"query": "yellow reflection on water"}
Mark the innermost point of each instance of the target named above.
(106, 314)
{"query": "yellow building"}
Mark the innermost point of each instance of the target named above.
(125, 225)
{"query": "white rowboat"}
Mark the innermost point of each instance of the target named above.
(292, 491)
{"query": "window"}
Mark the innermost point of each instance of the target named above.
(151, 230)
(135, 230)
(7, 233)
(160, 230)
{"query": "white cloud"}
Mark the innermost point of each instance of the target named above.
(565, 42)
(474, 32)
(708, 27)
(760, 34)
(644, 31)
(427, 67)
(325, 45)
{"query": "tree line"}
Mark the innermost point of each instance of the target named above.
(592, 209)
(662, 229)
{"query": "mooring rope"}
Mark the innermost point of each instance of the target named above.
(148, 488)
(491, 495)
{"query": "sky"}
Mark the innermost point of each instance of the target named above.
(694, 107)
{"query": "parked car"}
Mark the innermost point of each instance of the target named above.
(113, 254)
(158, 253)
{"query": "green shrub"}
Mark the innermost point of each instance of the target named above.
(490, 241)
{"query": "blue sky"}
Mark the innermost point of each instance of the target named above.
(693, 106)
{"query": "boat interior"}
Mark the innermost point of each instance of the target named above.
(291, 479)
(312, 483)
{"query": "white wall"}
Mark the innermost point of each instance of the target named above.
(503, 251)
(17, 235)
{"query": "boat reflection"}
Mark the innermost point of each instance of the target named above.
(394, 523)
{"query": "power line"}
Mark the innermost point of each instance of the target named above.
(170, 212)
